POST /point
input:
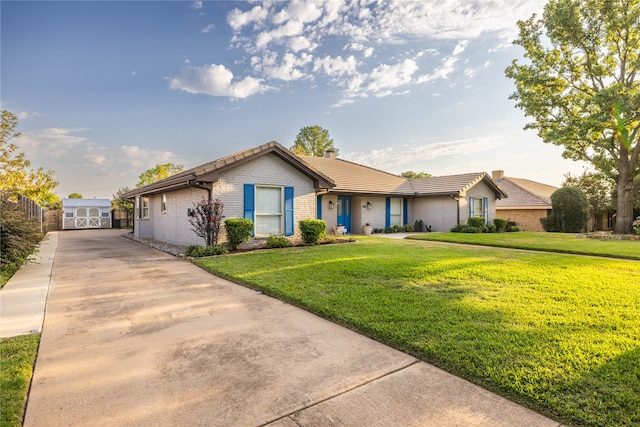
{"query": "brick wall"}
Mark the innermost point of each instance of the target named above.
(528, 219)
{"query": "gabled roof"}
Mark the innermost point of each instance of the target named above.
(354, 178)
(524, 193)
(209, 172)
(454, 184)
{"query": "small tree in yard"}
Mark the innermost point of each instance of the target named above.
(570, 211)
(206, 219)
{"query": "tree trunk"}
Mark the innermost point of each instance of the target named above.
(624, 214)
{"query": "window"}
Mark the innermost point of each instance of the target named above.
(68, 212)
(395, 211)
(163, 203)
(81, 212)
(144, 207)
(268, 212)
(94, 212)
(105, 212)
(478, 208)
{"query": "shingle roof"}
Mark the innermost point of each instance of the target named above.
(208, 172)
(525, 193)
(452, 184)
(354, 178)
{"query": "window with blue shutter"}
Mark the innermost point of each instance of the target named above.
(485, 208)
(288, 211)
(471, 202)
(405, 211)
(249, 203)
(319, 207)
(387, 213)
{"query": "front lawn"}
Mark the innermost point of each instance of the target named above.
(17, 357)
(559, 333)
(550, 242)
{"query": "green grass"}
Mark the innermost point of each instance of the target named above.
(550, 242)
(559, 333)
(17, 358)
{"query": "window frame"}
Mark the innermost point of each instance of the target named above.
(163, 203)
(144, 207)
(263, 215)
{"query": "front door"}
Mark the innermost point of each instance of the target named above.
(344, 212)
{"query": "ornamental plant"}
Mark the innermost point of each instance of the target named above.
(206, 218)
(312, 230)
(238, 231)
(636, 225)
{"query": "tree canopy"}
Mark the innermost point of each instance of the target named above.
(313, 141)
(415, 175)
(16, 174)
(158, 172)
(74, 196)
(597, 189)
(579, 86)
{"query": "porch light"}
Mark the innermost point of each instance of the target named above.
(331, 204)
(369, 206)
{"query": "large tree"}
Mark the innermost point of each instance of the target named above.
(313, 141)
(157, 173)
(598, 191)
(16, 175)
(579, 86)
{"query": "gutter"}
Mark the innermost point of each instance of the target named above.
(201, 185)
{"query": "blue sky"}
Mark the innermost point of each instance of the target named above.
(105, 90)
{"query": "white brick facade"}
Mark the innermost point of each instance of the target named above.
(172, 225)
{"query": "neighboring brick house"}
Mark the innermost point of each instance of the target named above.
(276, 189)
(528, 201)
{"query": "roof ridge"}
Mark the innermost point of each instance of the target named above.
(358, 164)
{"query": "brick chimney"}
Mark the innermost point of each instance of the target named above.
(497, 174)
(330, 153)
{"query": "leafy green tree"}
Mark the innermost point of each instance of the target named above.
(16, 177)
(579, 86)
(570, 211)
(158, 172)
(313, 141)
(598, 191)
(74, 196)
(415, 175)
(117, 202)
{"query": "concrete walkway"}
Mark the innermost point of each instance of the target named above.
(23, 298)
(133, 336)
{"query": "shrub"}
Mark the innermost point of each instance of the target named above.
(636, 225)
(205, 219)
(476, 221)
(418, 225)
(194, 251)
(570, 211)
(278, 242)
(491, 228)
(466, 228)
(238, 231)
(512, 226)
(312, 230)
(500, 224)
(215, 250)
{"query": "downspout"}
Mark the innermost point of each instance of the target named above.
(200, 185)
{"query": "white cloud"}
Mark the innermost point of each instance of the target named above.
(442, 72)
(336, 66)
(208, 28)
(387, 77)
(288, 68)
(24, 115)
(238, 19)
(197, 4)
(216, 80)
(413, 157)
(460, 47)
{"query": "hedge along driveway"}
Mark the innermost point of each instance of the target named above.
(559, 333)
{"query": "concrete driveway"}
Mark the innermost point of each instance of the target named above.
(133, 336)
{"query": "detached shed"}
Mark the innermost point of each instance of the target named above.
(86, 213)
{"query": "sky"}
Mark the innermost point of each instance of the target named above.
(105, 90)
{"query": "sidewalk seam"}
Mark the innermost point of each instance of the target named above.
(315, 403)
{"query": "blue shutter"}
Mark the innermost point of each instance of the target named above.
(387, 213)
(470, 207)
(405, 211)
(319, 207)
(288, 211)
(249, 203)
(486, 210)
